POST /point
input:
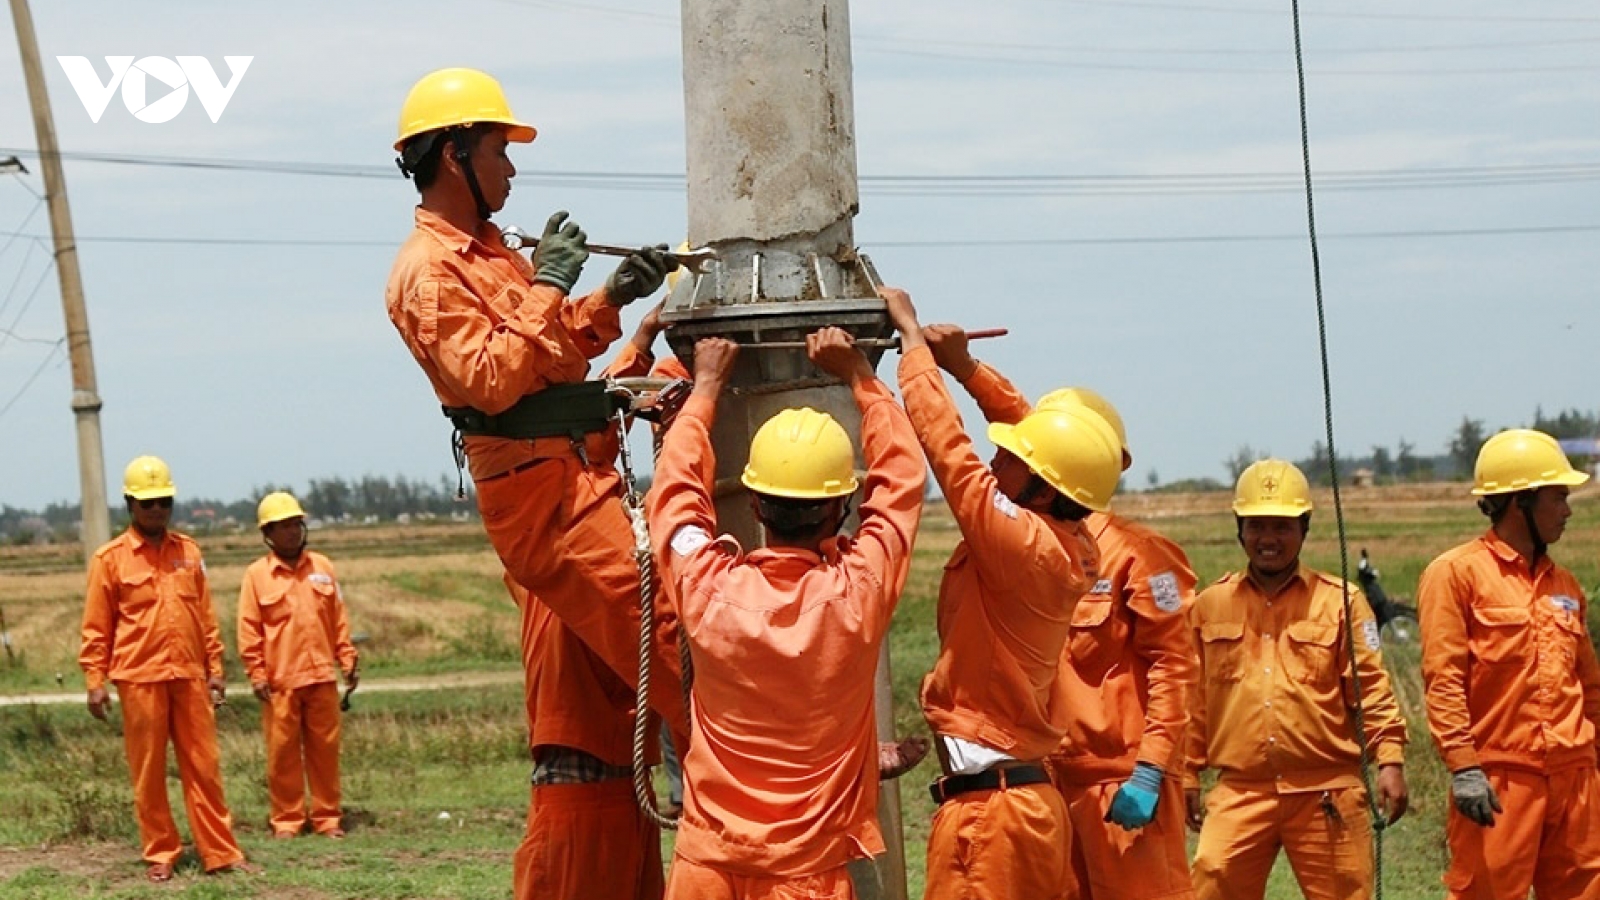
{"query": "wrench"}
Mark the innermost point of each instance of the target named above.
(696, 260)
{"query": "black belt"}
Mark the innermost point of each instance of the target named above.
(997, 779)
(560, 410)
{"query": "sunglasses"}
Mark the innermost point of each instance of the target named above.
(153, 502)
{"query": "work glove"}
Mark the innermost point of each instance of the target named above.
(640, 274)
(562, 249)
(1473, 796)
(1135, 803)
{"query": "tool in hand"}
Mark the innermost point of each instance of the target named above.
(695, 260)
(344, 702)
(870, 343)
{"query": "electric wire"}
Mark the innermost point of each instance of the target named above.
(43, 364)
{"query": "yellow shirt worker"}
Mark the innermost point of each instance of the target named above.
(1273, 712)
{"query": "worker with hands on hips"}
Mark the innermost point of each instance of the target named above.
(1513, 686)
(781, 782)
(1273, 711)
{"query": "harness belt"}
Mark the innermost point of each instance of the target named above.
(560, 410)
(951, 786)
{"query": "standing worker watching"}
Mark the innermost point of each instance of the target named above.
(781, 783)
(150, 629)
(1274, 711)
(506, 353)
(1126, 675)
(1005, 608)
(294, 640)
(1513, 688)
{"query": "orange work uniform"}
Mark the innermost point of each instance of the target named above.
(781, 782)
(487, 335)
(1513, 687)
(1005, 609)
(1272, 712)
(1126, 675)
(294, 636)
(150, 629)
(586, 836)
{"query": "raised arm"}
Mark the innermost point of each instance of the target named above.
(995, 395)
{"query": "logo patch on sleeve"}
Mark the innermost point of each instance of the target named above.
(1164, 588)
(320, 578)
(688, 539)
(1369, 634)
(1004, 505)
(1103, 586)
(1564, 603)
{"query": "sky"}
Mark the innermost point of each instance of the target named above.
(1115, 182)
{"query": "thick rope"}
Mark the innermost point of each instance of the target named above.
(1358, 718)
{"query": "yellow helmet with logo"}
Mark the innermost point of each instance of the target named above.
(803, 454)
(1093, 400)
(1521, 459)
(277, 506)
(1272, 487)
(147, 478)
(451, 97)
(1071, 447)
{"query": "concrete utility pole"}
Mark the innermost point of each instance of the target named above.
(96, 529)
(772, 186)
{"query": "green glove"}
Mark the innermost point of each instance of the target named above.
(640, 274)
(563, 247)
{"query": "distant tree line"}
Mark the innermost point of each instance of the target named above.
(371, 498)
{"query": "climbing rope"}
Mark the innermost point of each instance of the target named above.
(1358, 718)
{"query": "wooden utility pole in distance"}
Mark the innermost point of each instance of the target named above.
(96, 529)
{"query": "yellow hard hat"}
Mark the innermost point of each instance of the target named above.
(1272, 487)
(803, 454)
(1093, 400)
(675, 274)
(277, 506)
(1521, 459)
(1071, 447)
(147, 478)
(451, 97)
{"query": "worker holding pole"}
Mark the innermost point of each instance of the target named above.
(506, 352)
(1126, 675)
(1278, 711)
(1005, 609)
(781, 782)
(150, 629)
(1513, 687)
(294, 641)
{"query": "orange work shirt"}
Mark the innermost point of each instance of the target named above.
(486, 334)
(1009, 590)
(148, 615)
(781, 778)
(1130, 664)
(1273, 702)
(293, 628)
(1509, 667)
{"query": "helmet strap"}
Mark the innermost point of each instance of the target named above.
(1525, 501)
(462, 154)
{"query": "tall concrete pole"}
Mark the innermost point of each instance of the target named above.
(96, 529)
(772, 186)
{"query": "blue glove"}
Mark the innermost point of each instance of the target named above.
(1135, 803)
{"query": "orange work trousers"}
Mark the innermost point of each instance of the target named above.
(1000, 845)
(587, 842)
(561, 532)
(153, 712)
(1548, 838)
(1329, 842)
(693, 881)
(302, 728)
(1111, 863)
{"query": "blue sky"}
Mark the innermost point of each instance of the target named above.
(1142, 156)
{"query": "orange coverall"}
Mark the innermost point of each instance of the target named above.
(1272, 711)
(781, 782)
(486, 335)
(294, 635)
(584, 839)
(1513, 687)
(149, 628)
(1005, 609)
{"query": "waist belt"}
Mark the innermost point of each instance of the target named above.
(999, 779)
(560, 410)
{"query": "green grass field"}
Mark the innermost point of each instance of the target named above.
(428, 600)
